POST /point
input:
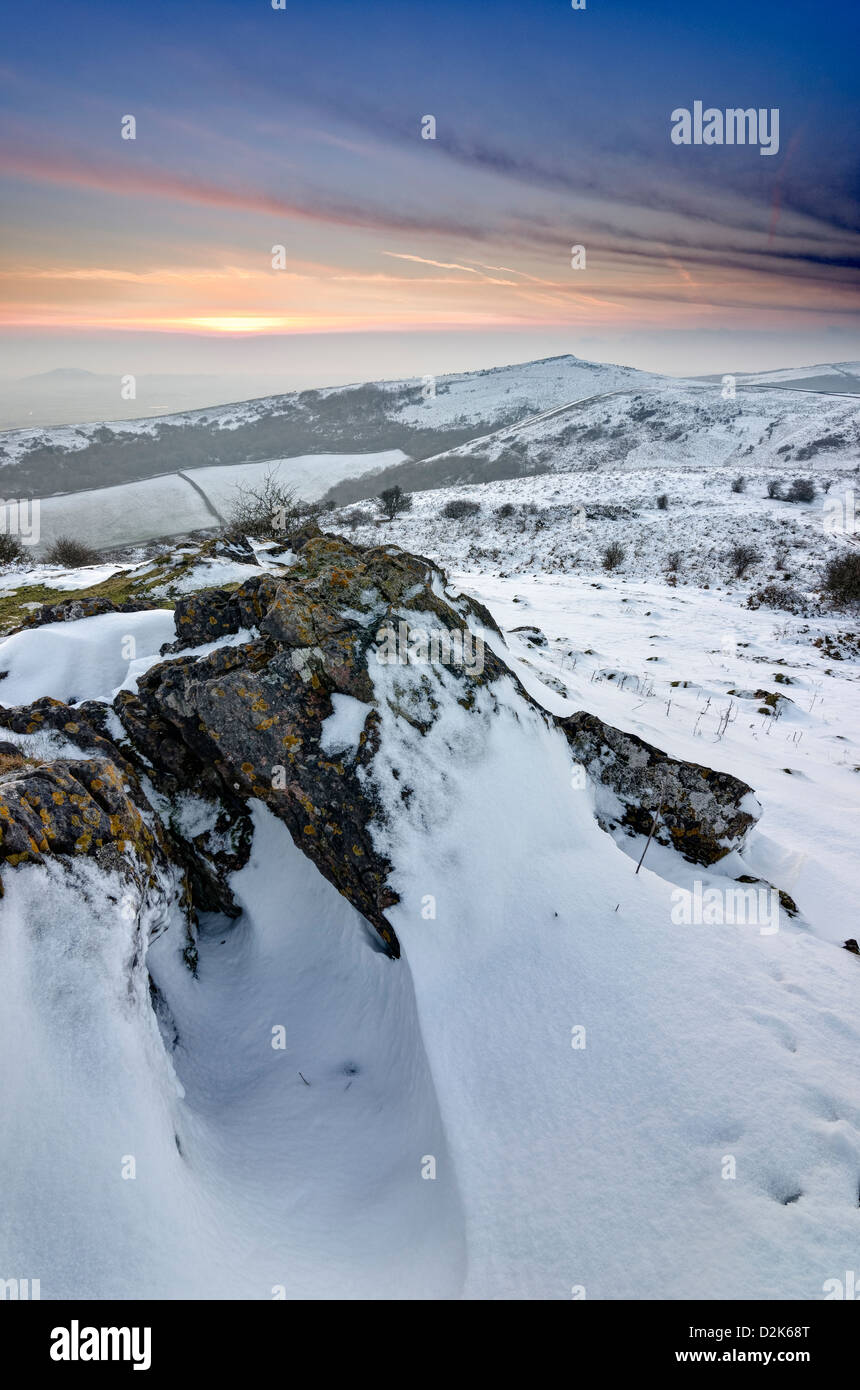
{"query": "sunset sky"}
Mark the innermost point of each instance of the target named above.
(302, 127)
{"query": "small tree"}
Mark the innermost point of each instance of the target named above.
(613, 555)
(741, 557)
(267, 509)
(801, 490)
(674, 560)
(393, 501)
(774, 489)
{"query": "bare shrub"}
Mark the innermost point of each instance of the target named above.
(801, 490)
(780, 596)
(459, 508)
(11, 549)
(842, 578)
(613, 555)
(741, 557)
(267, 508)
(71, 554)
(739, 484)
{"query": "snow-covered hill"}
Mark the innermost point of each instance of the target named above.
(327, 975)
(561, 1088)
(557, 416)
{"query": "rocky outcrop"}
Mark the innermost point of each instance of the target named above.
(202, 618)
(72, 807)
(85, 726)
(287, 709)
(703, 814)
(248, 720)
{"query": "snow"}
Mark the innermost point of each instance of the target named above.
(343, 728)
(88, 658)
(311, 475)
(602, 1167)
(53, 577)
(614, 1102)
(558, 1167)
(522, 390)
(248, 1180)
(129, 513)
(208, 574)
(563, 521)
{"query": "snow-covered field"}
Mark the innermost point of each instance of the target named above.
(178, 503)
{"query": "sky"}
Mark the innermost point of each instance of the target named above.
(301, 128)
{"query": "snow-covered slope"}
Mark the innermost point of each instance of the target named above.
(216, 1082)
(559, 1090)
(598, 1066)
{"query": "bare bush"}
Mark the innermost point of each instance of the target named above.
(739, 484)
(11, 550)
(663, 502)
(780, 596)
(613, 555)
(71, 554)
(741, 557)
(801, 490)
(267, 509)
(774, 489)
(842, 578)
(459, 508)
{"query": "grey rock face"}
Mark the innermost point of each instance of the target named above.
(705, 814)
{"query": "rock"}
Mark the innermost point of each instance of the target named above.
(68, 610)
(532, 635)
(851, 945)
(72, 807)
(249, 721)
(85, 725)
(69, 811)
(204, 617)
(705, 813)
(232, 547)
(246, 721)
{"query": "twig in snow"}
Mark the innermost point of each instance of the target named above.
(653, 828)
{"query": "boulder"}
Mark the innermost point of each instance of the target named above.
(705, 814)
